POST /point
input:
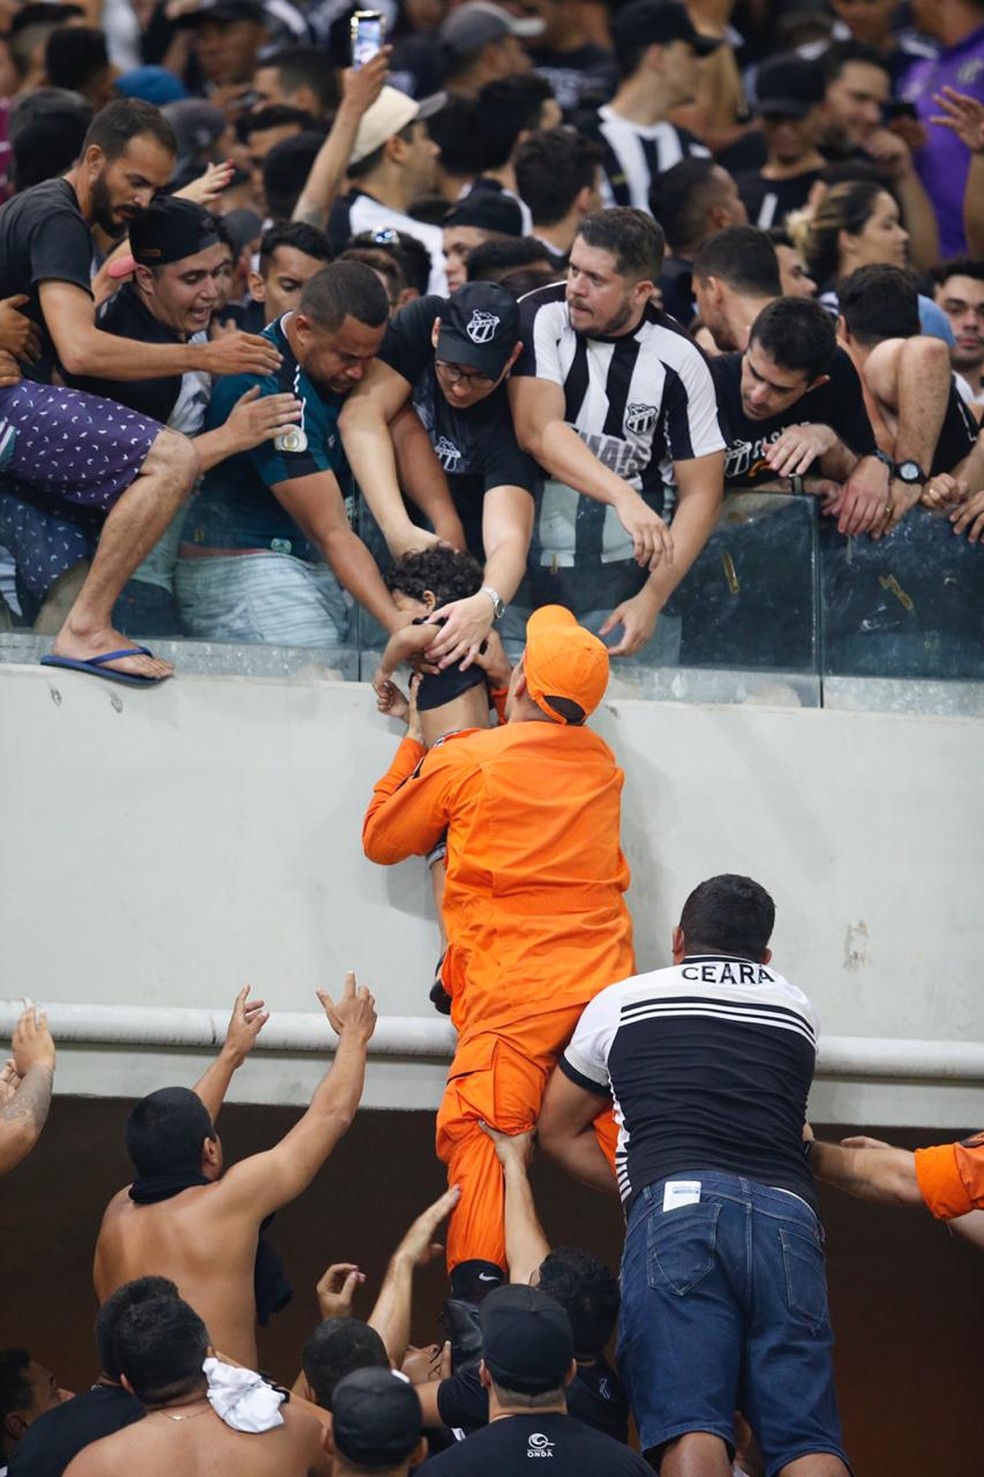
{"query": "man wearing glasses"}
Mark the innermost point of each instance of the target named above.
(443, 364)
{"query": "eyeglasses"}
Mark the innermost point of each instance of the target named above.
(455, 375)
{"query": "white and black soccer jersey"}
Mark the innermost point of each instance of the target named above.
(709, 1064)
(640, 402)
(633, 154)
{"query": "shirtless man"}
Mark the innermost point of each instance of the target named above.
(200, 1227)
(162, 1347)
(25, 1088)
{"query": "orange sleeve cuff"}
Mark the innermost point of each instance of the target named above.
(940, 1181)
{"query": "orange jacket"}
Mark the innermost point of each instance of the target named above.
(534, 902)
(951, 1177)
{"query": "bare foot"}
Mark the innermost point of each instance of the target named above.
(83, 646)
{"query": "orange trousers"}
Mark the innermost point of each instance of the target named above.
(500, 1078)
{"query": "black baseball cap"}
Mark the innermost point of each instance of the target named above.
(169, 230)
(789, 86)
(488, 210)
(375, 1418)
(527, 1343)
(656, 22)
(223, 10)
(479, 328)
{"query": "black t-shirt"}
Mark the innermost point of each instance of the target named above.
(768, 201)
(126, 316)
(595, 1396)
(581, 78)
(43, 238)
(957, 435)
(56, 1437)
(505, 1446)
(476, 447)
(838, 404)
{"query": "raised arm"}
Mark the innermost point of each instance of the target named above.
(391, 1315)
(267, 1181)
(25, 1088)
(526, 1241)
(964, 116)
(245, 1024)
(538, 415)
(360, 88)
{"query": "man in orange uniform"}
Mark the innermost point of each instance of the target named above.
(534, 905)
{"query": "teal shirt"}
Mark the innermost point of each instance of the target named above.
(235, 508)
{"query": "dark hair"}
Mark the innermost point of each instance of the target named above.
(797, 333)
(124, 119)
(278, 115)
(743, 258)
(448, 573)
(409, 251)
(957, 266)
(587, 1291)
(634, 239)
(553, 166)
(47, 131)
(285, 172)
(342, 290)
(297, 234)
(840, 54)
(458, 132)
(304, 66)
(165, 1131)
(75, 56)
(729, 914)
(161, 1345)
(682, 198)
(494, 259)
(382, 262)
(779, 236)
(506, 108)
(879, 302)
(372, 161)
(527, 279)
(16, 1392)
(130, 1295)
(338, 1347)
(846, 207)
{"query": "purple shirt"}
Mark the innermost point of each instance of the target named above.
(944, 161)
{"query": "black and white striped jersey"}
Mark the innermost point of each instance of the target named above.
(633, 154)
(709, 1064)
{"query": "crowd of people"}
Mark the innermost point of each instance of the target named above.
(682, 1090)
(541, 280)
(476, 336)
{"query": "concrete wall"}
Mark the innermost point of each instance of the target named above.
(163, 847)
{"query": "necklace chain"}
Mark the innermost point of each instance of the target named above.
(193, 1416)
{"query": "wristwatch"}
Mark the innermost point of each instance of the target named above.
(498, 606)
(911, 473)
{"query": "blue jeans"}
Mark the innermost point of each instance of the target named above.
(724, 1308)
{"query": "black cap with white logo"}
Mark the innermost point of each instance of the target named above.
(479, 328)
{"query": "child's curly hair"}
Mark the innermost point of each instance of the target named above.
(450, 574)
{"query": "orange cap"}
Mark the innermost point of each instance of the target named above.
(563, 660)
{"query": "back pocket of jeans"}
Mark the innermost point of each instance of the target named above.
(806, 1279)
(682, 1246)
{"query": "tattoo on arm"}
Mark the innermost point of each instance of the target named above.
(32, 1099)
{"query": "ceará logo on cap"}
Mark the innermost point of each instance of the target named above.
(482, 326)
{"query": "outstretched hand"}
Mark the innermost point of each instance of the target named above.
(418, 1245)
(355, 1011)
(245, 1024)
(336, 1289)
(510, 1148)
(32, 1045)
